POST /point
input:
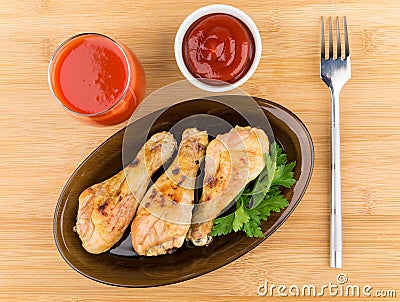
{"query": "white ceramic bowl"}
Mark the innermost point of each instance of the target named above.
(213, 9)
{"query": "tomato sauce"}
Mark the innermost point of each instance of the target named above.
(218, 47)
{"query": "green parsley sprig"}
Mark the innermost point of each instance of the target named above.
(259, 198)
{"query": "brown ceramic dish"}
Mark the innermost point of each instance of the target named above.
(187, 262)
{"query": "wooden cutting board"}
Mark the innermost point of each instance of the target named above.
(41, 145)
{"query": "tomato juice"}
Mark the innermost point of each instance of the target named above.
(97, 79)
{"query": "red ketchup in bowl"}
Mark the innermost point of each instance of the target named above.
(218, 47)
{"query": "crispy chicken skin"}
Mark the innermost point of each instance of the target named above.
(232, 160)
(164, 216)
(106, 209)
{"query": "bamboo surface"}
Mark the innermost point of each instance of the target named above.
(41, 145)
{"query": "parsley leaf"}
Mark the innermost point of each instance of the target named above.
(259, 198)
(263, 182)
(280, 156)
(241, 217)
(284, 175)
(275, 203)
(252, 227)
(223, 225)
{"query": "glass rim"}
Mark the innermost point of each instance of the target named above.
(51, 64)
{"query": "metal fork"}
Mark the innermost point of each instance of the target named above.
(335, 72)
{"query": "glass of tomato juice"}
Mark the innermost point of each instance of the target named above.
(96, 79)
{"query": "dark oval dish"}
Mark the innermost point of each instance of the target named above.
(187, 262)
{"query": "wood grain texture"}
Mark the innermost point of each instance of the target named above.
(41, 145)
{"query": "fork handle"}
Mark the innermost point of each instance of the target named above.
(336, 190)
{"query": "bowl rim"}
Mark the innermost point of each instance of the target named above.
(212, 9)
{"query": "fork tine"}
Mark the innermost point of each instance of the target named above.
(346, 39)
(338, 43)
(322, 39)
(330, 39)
